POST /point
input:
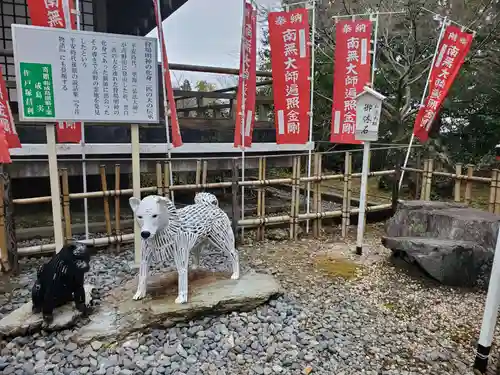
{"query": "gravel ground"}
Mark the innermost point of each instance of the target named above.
(375, 319)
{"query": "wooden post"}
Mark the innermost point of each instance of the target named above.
(497, 192)
(4, 252)
(10, 223)
(424, 181)
(104, 186)
(430, 165)
(493, 190)
(468, 184)
(458, 182)
(117, 204)
(66, 208)
(418, 176)
(317, 206)
(395, 186)
(349, 191)
(166, 179)
(159, 179)
(345, 195)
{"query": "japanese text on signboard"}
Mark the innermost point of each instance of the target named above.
(290, 60)
(352, 73)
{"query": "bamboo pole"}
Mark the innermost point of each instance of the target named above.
(349, 191)
(104, 185)
(292, 201)
(468, 184)
(260, 193)
(458, 182)
(159, 179)
(166, 179)
(198, 172)
(117, 204)
(204, 174)
(248, 223)
(493, 190)
(429, 179)
(234, 195)
(66, 207)
(4, 251)
(297, 201)
(317, 194)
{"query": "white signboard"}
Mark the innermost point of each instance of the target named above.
(66, 75)
(368, 109)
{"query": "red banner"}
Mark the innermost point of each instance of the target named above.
(4, 146)
(50, 13)
(248, 78)
(6, 118)
(167, 82)
(290, 62)
(352, 73)
(451, 55)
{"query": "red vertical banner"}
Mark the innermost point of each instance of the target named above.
(248, 78)
(290, 62)
(352, 72)
(4, 146)
(50, 13)
(6, 118)
(167, 82)
(451, 54)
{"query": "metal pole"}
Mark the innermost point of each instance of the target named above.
(161, 38)
(311, 113)
(443, 27)
(82, 142)
(366, 155)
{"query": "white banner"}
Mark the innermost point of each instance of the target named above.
(66, 75)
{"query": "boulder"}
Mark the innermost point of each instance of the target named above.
(22, 320)
(210, 293)
(451, 262)
(451, 242)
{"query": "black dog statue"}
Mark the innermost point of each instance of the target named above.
(61, 281)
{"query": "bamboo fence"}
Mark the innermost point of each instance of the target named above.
(114, 234)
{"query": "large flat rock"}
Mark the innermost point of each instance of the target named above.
(451, 262)
(22, 321)
(444, 220)
(210, 293)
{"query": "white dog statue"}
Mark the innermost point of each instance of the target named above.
(168, 233)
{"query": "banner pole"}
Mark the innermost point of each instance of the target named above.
(311, 113)
(82, 141)
(443, 27)
(161, 38)
(366, 156)
(242, 119)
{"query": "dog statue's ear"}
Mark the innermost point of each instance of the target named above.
(162, 202)
(134, 203)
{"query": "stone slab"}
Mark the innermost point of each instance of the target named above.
(210, 293)
(22, 321)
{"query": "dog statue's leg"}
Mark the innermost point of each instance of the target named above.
(142, 284)
(181, 258)
(223, 239)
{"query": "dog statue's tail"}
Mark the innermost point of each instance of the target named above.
(206, 198)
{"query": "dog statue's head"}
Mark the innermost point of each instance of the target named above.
(151, 213)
